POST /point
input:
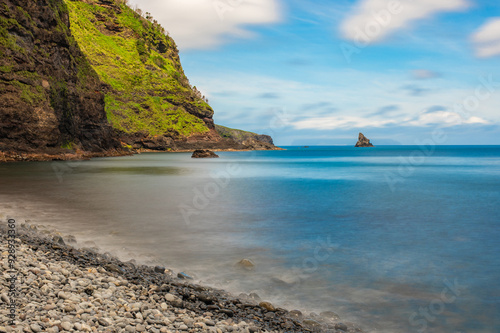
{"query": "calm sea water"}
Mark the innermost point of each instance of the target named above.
(395, 238)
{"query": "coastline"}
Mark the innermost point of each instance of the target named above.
(169, 302)
(12, 156)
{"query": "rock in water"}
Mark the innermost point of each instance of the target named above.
(202, 153)
(363, 141)
(246, 264)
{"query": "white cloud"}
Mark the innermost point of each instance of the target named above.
(373, 20)
(354, 100)
(202, 24)
(339, 122)
(439, 118)
(445, 118)
(487, 39)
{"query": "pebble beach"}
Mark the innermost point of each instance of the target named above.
(59, 287)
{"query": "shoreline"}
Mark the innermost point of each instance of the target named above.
(190, 307)
(13, 156)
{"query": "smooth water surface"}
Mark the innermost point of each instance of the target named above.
(396, 238)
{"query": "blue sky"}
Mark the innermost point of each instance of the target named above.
(318, 72)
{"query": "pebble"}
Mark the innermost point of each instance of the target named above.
(78, 290)
(268, 306)
(35, 328)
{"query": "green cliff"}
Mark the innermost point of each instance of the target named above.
(95, 76)
(148, 91)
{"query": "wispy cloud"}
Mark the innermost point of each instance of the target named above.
(415, 90)
(424, 74)
(435, 108)
(315, 106)
(385, 110)
(339, 122)
(268, 95)
(374, 20)
(204, 24)
(487, 39)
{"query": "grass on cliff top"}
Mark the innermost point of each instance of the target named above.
(141, 65)
(237, 134)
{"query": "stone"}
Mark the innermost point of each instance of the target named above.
(296, 313)
(341, 326)
(5, 298)
(130, 329)
(113, 268)
(204, 153)
(35, 328)
(104, 321)
(66, 325)
(312, 323)
(58, 240)
(268, 306)
(269, 315)
(363, 141)
(330, 315)
(246, 264)
(63, 295)
(184, 276)
(170, 298)
(159, 269)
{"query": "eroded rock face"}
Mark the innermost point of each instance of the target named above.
(363, 141)
(204, 153)
(50, 97)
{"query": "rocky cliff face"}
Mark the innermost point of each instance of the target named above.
(95, 75)
(50, 97)
(363, 141)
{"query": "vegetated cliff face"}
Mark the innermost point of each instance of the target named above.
(85, 75)
(149, 99)
(246, 139)
(50, 97)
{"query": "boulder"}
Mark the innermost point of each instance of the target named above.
(204, 153)
(246, 264)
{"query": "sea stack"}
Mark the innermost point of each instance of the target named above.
(363, 141)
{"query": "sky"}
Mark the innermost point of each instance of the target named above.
(317, 72)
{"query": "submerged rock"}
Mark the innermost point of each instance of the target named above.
(363, 141)
(246, 264)
(204, 153)
(330, 315)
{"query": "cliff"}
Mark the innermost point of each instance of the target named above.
(50, 97)
(149, 99)
(246, 139)
(95, 76)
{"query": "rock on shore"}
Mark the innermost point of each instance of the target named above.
(64, 289)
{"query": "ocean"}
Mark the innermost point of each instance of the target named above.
(394, 238)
